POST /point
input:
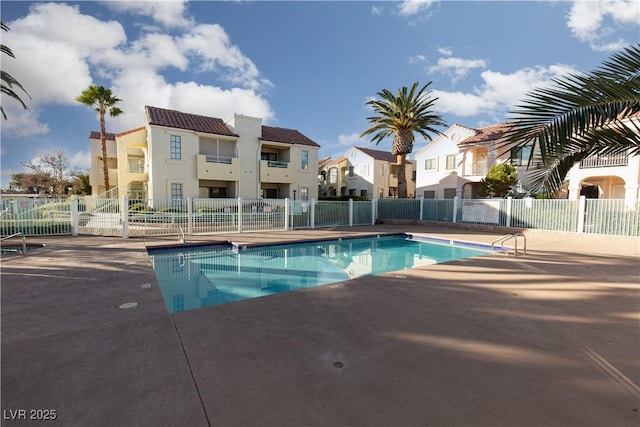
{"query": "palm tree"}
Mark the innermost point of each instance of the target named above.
(8, 82)
(103, 101)
(580, 116)
(401, 115)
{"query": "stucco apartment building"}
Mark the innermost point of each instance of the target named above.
(177, 155)
(367, 173)
(454, 163)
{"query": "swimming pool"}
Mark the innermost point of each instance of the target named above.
(195, 277)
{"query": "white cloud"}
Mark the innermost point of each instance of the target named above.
(458, 68)
(169, 13)
(217, 102)
(586, 19)
(413, 7)
(21, 123)
(213, 47)
(416, 59)
(59, 52)
(499, 92)
(80, 160)
(376, 10)
(445, 51)
(349, 140)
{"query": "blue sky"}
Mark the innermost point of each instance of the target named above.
(310, 66)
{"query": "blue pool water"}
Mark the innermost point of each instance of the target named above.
(195, 277)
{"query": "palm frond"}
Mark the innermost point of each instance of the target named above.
(554, 117)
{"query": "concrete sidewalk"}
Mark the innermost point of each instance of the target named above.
(548, 339)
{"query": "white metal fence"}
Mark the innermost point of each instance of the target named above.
(129, 218)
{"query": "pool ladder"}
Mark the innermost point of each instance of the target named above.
(24, 241)
(502, 240)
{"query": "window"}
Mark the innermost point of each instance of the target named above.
(430, 164)
(363, 193)
(176, 191)
(176, 147)
(451, 162)
(269, 156)
(364, 170)
(381, 171)
(350, 171)
(449, 193)
(429, 194)
(304, 193)
(520, 156)
(304, 163)
(352, 192)
(333, 175)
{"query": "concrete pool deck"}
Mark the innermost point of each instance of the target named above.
(547, 339)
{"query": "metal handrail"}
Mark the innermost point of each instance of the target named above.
(24, 241)
(502, 240)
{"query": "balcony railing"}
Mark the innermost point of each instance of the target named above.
(605, 161)
(135, 165)
(219, 159)
(277, 164)
(476, 169)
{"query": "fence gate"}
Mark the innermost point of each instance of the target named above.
(99, 217)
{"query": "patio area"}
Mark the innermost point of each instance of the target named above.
(546, 339)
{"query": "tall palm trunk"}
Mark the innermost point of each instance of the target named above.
(402, 145)
(103, 139)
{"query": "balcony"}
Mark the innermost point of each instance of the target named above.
(218, 167)
(475, 169)
(605, 161)
(135, 165)
(276, 172)
(135, 170)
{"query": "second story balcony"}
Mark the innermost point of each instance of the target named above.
(605, 161)
(478, 168)
(276, 171)
(218, 167)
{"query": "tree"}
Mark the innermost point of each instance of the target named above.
(51, 173)
(401, 115)
(499, 180)
(580, 116)
(101, 100)
(8, 82)
(81, 185)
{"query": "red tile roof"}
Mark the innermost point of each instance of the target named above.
(180, 120)
(288, 136)
(378, 154)
(95, 134)
(487, 134)
(127, 132)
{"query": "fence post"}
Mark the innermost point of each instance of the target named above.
(124, 212)
(189, 216)
(455, 209)
(582, 204)
(421, 199)
(240, 214)
(312, 214)
(286, 213)
(373, 211)
(509, 203)
(75, 218)
(350, 212)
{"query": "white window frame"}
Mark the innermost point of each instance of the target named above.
(175, 147)
(434, 164)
